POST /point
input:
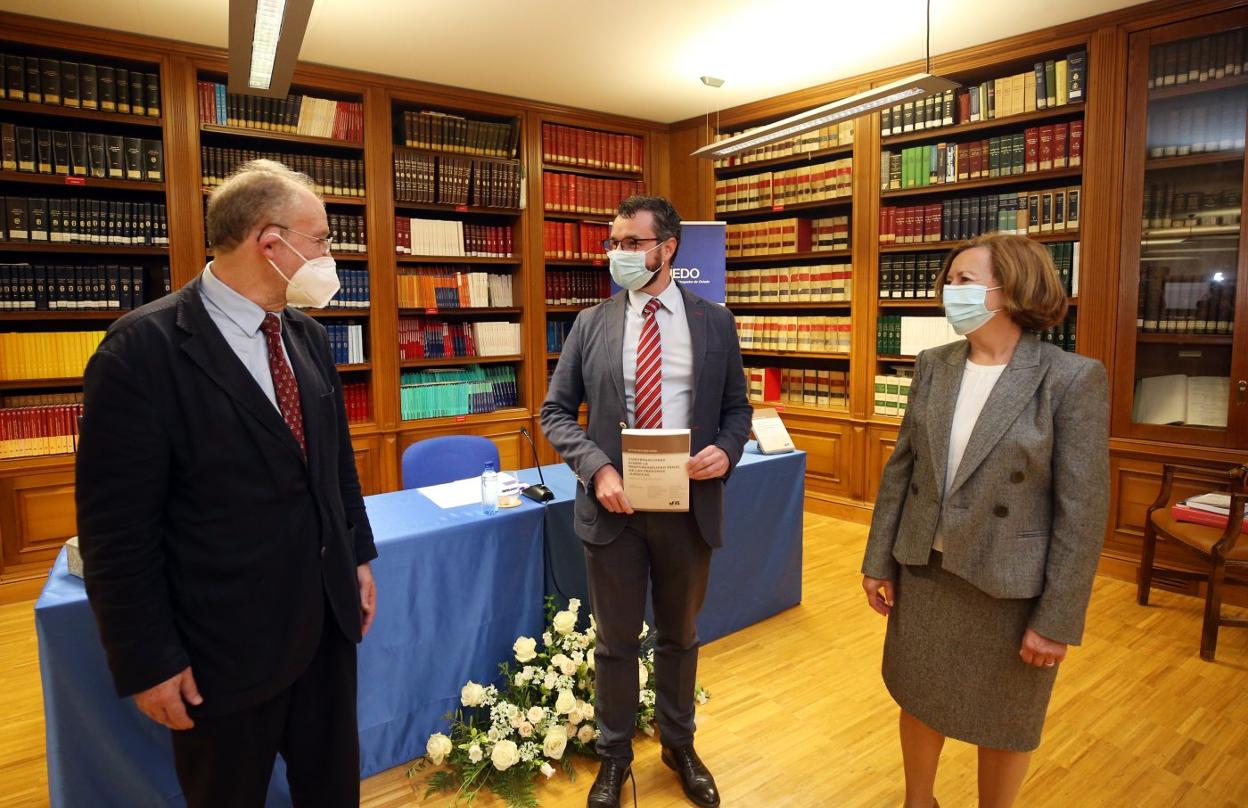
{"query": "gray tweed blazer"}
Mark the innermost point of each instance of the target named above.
(1025, 516)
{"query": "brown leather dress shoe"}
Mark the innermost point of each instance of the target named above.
(605, 792)
(694, 777)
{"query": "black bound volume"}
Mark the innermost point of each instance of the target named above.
(25, 148)
(106, 88)
(78, 165)
(152, 81)
(60, 152)
(69, 84)
(97, 159)
(138, 94)
(50, 80)
(8, 147)
(17, 221)
(33, 83)
(154, 161)
(87, 87)
(121, 80)
(43, 149)
(134, 158)
(38, 215)
(14, 77)
(116, 157)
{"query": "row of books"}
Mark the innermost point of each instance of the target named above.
(1020, 213)
(80, 154)
(332, 176)
(572, 193)
(348, 232)
(34, 431)
(355, 397)
(576, 287)
(1174, 300)
(825, 137)
(1164, 206)
(807, 387)
(892, 392)
(450, 179)
(292, 115)
(452, 239)
(41, 80)
(807, 283)
(1065, 255)
(1049, 84)
(573, 146)
(1207, 58)
(1197, 125)
(453, 288)
(1036, 149)
(346, 343)
(1062, 335)
(448, 392)
(354, 292)
(431, 338)
(797, 334)
(906, 336)
(86, 287)
(46, 354)
(84, 221)
(441, 131)
(574, 241)
(556, 333)
(787, 236)
(773, 189)
(912, 276)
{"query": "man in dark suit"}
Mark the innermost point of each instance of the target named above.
(224, 538)
(653, 356)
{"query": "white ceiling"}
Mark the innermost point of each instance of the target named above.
(639, 58)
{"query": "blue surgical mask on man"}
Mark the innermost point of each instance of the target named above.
(965, 306)
(629, 270)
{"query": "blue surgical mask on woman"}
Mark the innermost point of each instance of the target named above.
(629, 270)
(965, 306)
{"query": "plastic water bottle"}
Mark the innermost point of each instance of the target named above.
(489, 489)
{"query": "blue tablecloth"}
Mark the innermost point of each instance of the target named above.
(758, 571)
(455, 589)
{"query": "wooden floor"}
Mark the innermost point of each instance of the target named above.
(799, 717)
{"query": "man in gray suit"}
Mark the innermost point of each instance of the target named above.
(654, 355)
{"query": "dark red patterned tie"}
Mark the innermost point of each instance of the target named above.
(648, 398)
(284, 384)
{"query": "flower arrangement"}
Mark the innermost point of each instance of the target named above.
(541, 709)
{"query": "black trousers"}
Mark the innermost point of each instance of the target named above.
(227, 761)
(665, 550)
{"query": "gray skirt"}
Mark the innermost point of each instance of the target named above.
(951, 660)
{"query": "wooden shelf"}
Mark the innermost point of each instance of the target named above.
(894, 358)
(92, 249)
(328, 199)
(438, 207)
(437, 312)
(452, 259)
(57, 111)
(838, 202)
(279, 137)
(362, 427)
(787, 257)
(74, 181)
(589, 171)
(335, 313)
(31, 315)
(1196, 87)
(566, 216)
(552, 356)
(597, 263)
(988, 182)
(49, 384)
(794, 160)
(347, 256)
(803, 306)
(352, 368)
(1012, 121)
(939, 246)
(793, 354)
(1184, 339)
(568, 309)
(451, 361)
(1188, 232)
(400, 148)
(909, 303)
(1198, 159)
(803, 410)
(505, 414)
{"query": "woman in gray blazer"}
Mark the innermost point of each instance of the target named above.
(989, 521)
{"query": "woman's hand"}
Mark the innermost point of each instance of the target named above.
(1041, 651)
(880, 594)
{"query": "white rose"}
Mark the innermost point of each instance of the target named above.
(589, 659)
(475, 754)
(549, 682)
(505, 755)
(588, 711)
(593, 624)
(574, 605)
(472, 695)
(525, 729)
(643, 675)
(554, 743)
(586, 733)
(564, 622)
(570, 729)
(536, 714)
(438, 747)
(557, 660)
(576, 716)
(521, 680)
(493, 734)
(567, 667)
(516, 721)
(565, 702)
(525, 648)
(548, 770)
(578, 657)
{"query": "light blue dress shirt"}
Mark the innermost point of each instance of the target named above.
(238, 319)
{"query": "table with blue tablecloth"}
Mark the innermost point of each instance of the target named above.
(455, 589)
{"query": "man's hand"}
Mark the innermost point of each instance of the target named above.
(709, 464)
(166, 702)
(609, 488)
(368, 596)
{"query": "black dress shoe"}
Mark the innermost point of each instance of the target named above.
(605, 792)
(694, 777)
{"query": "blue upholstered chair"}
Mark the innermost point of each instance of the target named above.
(442, 460)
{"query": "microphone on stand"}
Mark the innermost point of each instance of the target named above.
(537, 493)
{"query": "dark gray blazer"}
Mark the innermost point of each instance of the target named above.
(591, 369)
(1025, 516)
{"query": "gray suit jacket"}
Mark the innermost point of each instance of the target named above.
(1025, 516)
(591, 369)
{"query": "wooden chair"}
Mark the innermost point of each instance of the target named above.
(1223, 551)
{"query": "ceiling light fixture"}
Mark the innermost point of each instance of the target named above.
(265, 38)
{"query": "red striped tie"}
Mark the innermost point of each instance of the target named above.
(649, 384)
(285, 387)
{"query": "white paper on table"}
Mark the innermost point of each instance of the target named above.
(461, 493)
